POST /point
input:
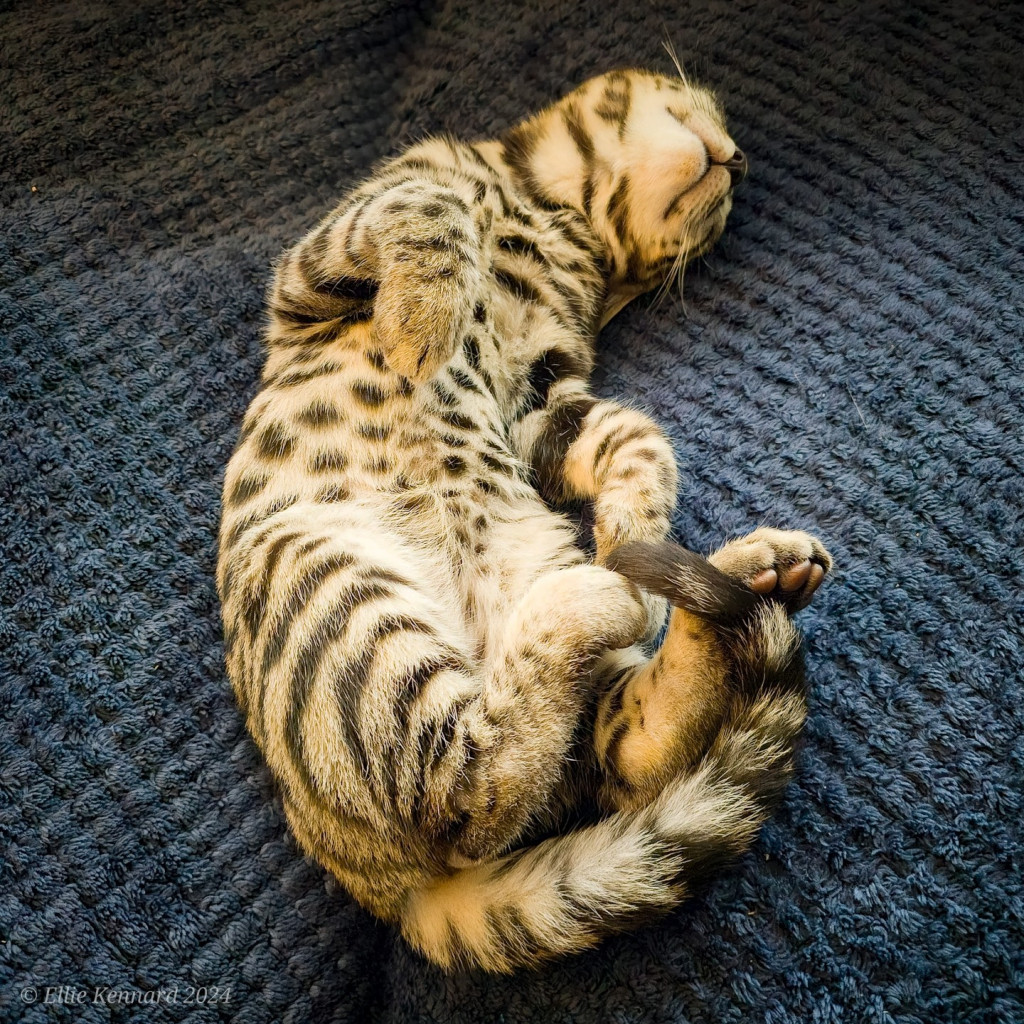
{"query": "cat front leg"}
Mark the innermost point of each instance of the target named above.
(405, 254)
(584, 448)
(596, 450)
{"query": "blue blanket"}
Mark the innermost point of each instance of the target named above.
(850, 359)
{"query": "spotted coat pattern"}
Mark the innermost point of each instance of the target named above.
(434, 669)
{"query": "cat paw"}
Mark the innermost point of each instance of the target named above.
(785, 565)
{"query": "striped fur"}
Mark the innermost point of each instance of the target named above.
(433, 668)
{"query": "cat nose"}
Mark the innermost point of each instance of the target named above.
(736, 165)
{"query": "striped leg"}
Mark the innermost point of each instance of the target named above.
(364, 696)
(656, 716)
(408, 254)
(536, 687)
(584, 448)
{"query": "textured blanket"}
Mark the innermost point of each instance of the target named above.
(850, 359)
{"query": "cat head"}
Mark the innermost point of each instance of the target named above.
(647, 159)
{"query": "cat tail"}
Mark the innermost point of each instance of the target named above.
(567, 893)
(686, 579)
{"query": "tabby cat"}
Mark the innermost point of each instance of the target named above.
(438, 675)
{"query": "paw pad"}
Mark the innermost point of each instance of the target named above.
(785, 565)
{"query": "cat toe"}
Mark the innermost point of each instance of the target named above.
(785, 565)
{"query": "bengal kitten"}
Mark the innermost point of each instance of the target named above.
(435, 670)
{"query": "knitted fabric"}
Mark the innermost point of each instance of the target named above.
(849, 359)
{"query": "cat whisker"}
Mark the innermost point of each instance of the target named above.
(670, 49)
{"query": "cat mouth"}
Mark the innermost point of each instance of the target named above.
(673, 206)
(714, 210)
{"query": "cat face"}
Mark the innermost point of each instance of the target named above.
(673, 167)
(647, 159)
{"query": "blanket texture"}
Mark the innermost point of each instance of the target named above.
(849, 360)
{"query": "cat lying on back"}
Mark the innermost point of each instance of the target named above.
(433, 668)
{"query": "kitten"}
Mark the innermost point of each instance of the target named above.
(433, 668)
